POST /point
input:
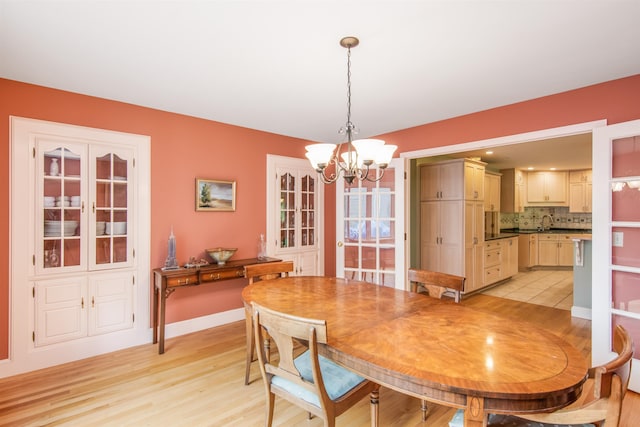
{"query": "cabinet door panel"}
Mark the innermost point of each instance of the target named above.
(111, 302)
(60, 313)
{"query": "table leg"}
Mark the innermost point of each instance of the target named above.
(474, 414)
(374, 407)
(156, 293)
(163, 305)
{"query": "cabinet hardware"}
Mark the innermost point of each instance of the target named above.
(94, 207)
(33, 291)
(82, 302)
(33, 259)
(33, 336)
(82, 209)
(93, 302)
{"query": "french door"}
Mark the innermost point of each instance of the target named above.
(616, 228)
(370, 228)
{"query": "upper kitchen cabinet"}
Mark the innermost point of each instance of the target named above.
(459, 179)
(492, 191)
(548, 188)
(512, 190)
(580, 188)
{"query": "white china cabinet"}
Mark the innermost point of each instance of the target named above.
(79, 265)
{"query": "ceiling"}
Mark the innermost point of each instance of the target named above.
(563, 153)
(277, 66)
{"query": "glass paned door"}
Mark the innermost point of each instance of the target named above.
(60, 195)
(111, 208)
(616, 232)
(369, 229)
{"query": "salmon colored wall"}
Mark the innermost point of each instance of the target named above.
(182, 148)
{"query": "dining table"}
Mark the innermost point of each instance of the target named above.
(435, 350)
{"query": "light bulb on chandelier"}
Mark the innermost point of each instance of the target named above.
(356, 158)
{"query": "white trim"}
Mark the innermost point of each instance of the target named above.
(581, 312)
(507, 140)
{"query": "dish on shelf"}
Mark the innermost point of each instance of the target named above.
(100, 227)
(53, 228)
(115, 228)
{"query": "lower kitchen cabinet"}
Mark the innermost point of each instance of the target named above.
(555, 250)
(500, 259)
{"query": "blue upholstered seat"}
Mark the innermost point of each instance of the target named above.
(505, 421)
(337, 380)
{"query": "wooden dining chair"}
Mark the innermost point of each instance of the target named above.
(255, 273)
(437, 285)
(303, 377)
(599, 404)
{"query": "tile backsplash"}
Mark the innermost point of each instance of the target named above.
(531, 218)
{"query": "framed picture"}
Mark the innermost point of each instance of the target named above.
(213, 195)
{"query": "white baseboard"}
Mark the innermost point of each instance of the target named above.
(581, 312)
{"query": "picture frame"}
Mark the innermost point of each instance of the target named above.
(215, 195)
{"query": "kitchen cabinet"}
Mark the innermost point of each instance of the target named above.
(580, 190)
(452, 180)
(500, 259)
(473, 245)
(527, 250)
(555, 250)
(452, 219)
(474, 184)
(491, 192)
(81, 245)
(512, 190)
(510, 251)
(549, 188)
(492, 261)
(441, 229)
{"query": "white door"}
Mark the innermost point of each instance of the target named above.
(370, 228)
(616, 228)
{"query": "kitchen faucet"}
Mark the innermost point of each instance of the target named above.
(550, 221)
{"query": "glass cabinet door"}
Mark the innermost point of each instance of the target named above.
(60, 207)
(297, 211)
(111, 179)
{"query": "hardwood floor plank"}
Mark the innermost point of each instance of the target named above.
(198, 381)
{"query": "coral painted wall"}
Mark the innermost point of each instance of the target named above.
(182, 148)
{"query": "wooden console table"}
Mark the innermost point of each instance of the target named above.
(167, 281)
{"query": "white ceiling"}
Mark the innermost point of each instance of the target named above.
(277, 66)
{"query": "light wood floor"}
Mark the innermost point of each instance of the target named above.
(199, 382)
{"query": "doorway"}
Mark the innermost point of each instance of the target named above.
(461, 150)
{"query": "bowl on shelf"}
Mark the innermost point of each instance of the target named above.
(221, 255)
(115, 228)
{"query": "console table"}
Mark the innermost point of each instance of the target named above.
(167, 281)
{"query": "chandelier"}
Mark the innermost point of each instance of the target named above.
(352, 159)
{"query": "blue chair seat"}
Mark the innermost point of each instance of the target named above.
(337, 380)
(505, 421)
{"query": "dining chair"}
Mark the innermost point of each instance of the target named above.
(302, 376)
(255, 273)
(600, 403)
(437, 285)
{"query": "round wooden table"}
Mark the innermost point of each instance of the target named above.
(432, 349)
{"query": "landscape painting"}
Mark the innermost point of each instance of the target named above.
(214, 195)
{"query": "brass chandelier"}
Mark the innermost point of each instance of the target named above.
(352, 159)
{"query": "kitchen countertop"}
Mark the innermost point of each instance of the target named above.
(513, 232)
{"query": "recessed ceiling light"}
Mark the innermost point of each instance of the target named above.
(488, 152)
(552, 169)
(530, 168)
